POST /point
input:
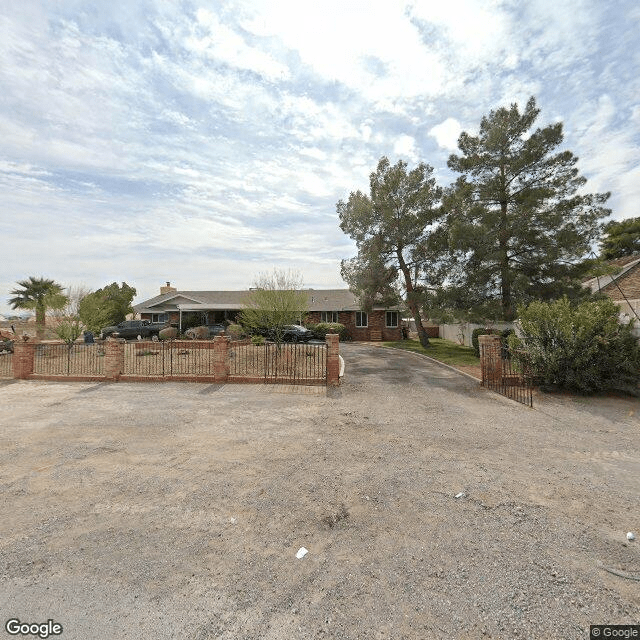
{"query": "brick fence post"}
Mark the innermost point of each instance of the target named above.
(220, 359)
(490, 359)
(23, 357)
(113, 358)
(333, 359)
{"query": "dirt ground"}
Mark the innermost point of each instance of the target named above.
(176, 510)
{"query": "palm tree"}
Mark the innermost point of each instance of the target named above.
(38, 294)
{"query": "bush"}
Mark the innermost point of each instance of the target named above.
(504, 339)
(235, 331)
(582, 348)
(322, 328)
(480, 332)
(257, 339)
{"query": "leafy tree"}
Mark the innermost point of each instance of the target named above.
(68, 326)
(517, 224)
(392, 228)
(38, 294)
(107, 306)
(583, 347)
(622, 238)
(276, 300)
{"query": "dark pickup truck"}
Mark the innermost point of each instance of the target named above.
(133, 329)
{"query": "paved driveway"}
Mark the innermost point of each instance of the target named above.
(176, 510)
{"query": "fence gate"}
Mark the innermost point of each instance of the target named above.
(508, 373)
(168, 359)
(293, 363)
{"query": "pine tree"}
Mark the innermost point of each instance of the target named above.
(518, 221)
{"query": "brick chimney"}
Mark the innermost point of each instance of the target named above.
(167, 289)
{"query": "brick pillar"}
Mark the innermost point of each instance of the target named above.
(113, 358)
(23, 356)
(333, 360)
(220, 359)
(490, 359)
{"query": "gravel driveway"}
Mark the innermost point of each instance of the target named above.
(176, 510)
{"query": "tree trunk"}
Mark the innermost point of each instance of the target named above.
(40, 321)
(411, 302)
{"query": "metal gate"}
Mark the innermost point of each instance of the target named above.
(290, 363)
(509, 374)
(168, 359)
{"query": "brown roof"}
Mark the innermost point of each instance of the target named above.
(625, 265)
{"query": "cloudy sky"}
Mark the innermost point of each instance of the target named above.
(205, 142)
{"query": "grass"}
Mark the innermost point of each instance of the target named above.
(440, 349)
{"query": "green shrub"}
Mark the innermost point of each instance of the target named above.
(582, 348)
(235, 331)
(480, 332)
(504, 338)
(257, 340)
(322, 328)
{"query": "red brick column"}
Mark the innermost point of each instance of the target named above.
(490, 359)
(23, 356)
(220, 359)
(333, 360)
(113, 358)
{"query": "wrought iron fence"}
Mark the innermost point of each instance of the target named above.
(168, 359)
(509, 374)
(69, 360)
(6, 364)
(287, 363)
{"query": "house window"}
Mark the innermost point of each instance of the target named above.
(362, 319)
(328, 316)
(159, 317)
(392, 319)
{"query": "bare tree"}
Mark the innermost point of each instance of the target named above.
(276, 300)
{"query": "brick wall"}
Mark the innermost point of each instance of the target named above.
(376, 319)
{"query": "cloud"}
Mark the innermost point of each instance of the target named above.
(447, 133)
(150, 137)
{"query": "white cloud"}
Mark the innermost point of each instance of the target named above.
(447, 133)
(406, 146)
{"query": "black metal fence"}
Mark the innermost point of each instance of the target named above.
(168, 359)
(286, 363)
(6, 364)
(509, 374)
(65, 360)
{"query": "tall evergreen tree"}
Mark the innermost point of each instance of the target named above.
(517, 225)
(622, 238)
(391, 228)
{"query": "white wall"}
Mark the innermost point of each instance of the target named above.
(461, 333)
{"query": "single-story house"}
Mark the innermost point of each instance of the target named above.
(187, 308)
(622, 287)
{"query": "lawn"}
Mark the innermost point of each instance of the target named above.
(443, 350)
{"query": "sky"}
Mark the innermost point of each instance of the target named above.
(204, 143)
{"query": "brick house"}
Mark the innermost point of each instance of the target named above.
(622, 287)
(186, 308)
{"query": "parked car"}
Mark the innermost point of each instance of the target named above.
(133, 329)
(290, 333)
